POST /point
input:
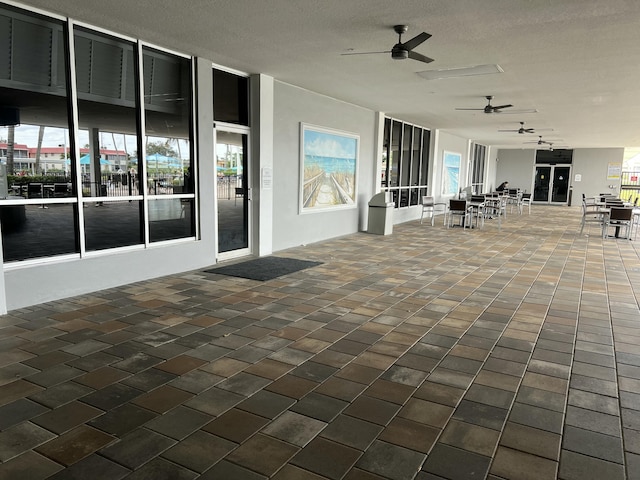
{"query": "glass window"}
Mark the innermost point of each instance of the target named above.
(41, 204)
(171, 218)
(424, 162)
(113, 224)
(405, 170)
(36, 231)
(477, 168)
(34, 139)
(230, 98)
(384, 179)
(106, 84)
(168, 118)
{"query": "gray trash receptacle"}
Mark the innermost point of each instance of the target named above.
(381, 214)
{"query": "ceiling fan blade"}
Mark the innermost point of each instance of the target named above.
(364, 53)
(478, 109)
(500, 107)
(516, 131)
(419, 57)
(516, 112)
(417, 40)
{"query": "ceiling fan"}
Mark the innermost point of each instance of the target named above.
(540, 141)
(403, 50)
(489, 108)
(523, 130)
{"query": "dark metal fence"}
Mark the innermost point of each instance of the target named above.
(227, 187)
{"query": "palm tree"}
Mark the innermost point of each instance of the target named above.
(40, 137)
(10, 147)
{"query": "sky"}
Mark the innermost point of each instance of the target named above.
(55, 137)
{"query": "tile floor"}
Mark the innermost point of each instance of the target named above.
(432, 353)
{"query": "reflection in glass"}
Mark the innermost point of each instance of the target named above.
(112, 224)
(394, 170)
(35, 231)
(39, 150)
(106, 83)
(424, 169)
(33, 83)
(171, 218)
(384, 177)
(230, 98)
(167, 108)
(233, 228)
(405, 162)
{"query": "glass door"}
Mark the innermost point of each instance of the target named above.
(232, 187)
(560, 189)
(551, 184)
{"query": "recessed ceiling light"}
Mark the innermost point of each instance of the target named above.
(460, 72)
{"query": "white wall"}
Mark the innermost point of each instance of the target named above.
(516, 167)
(292, 106)
(592, 165)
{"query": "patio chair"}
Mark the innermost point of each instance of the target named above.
(618, 218)
(525, 201)
(460, 210)
(429, 206)
(35, 190)
(592, 213)
(514, 199)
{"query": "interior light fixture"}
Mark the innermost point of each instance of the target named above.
(460, 72)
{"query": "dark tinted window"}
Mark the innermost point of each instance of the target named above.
(230, 98)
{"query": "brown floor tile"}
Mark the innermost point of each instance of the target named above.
(389, 391)
(514, 464)
(294, 428)
(450, 462)
(181, 364)
(531, 440)
(372, 410)
(359, 373)
(236, 425)
(292, 386)
(326, 458)
(409, 434)
(16, 390)
(199, 451)
(273, 454)
(391, 461)
(66, 417)
(361, 362)
(75, 445)
(21, 438)
(102, 377)
(340, 388)
(425, 412)
(162, 399)
(29, 465)
(352, 432)
(474, 438)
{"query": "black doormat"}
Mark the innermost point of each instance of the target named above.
(265, 268)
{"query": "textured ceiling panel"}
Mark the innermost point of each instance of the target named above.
(577, 62)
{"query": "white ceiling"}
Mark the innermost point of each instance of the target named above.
(576, 62)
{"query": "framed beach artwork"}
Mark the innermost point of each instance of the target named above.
(451, 173)
(328, 169)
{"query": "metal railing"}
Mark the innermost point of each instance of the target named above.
(630, 187)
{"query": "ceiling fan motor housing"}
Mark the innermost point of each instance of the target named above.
(399, 53)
